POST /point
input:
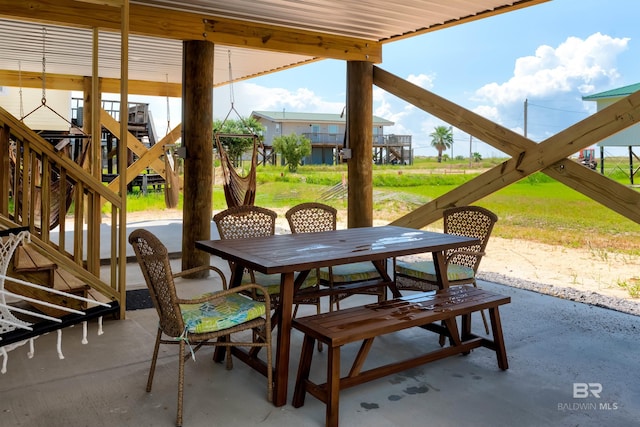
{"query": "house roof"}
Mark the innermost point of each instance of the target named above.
(614, 93)
(288, 116)
(256, 37)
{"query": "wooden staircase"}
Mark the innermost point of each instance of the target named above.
(40, 164)
(30, 265)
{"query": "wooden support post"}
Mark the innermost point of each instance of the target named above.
(94, 215)
(4, 166)
(631, 171)
(360, 141)
(197, 137)
(87, 108)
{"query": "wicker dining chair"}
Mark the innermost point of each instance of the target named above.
(313, 217)
(248, 221)
(207, 320)
(462, 263)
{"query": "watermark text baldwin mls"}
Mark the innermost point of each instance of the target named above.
(586, 391)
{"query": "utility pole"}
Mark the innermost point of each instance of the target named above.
(526, 102)
(470, 153)
(451, 131)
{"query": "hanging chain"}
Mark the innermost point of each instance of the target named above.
(232, 100)
(231, 95)
(168, 109)
(43, 101)
(20, 91)
(44, 66)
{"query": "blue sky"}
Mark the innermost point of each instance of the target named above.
(551, 54)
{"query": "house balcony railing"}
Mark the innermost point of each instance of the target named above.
(397, 140)
(319, 138)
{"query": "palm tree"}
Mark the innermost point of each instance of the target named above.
(441, 139)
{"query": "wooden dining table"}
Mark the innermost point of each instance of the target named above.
(288, 254)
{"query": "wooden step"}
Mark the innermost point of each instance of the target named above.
(32, 266)
(93, 294)
(27, 258)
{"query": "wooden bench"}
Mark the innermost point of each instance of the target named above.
(436, 311)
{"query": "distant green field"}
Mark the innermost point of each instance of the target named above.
(537, 208)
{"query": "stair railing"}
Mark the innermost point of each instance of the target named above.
(27, 198)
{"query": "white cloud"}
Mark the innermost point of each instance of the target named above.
(404, 115)
(488, 112)
(425, 81)
(385, 107)
(575, 65)
(248, 97)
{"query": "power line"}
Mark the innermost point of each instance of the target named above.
(559, 109)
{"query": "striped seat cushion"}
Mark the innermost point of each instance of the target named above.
(356, 272)
(221, 313)
(425, 270)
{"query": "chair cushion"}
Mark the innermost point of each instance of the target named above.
(272, 281)
(221, 313)
(425, 270)
(356, 272)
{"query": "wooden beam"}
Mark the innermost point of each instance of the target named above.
(172, 24)
(360, 141)
(65, 12)
(112, 3)
(142, 87)
(613, 195)
(27, 79)
(149, 157)
(5, 164)
(133, 144)
(121, 232)
(92, 203)
(529, 157)
(197, 139)
(485, 130)
(268, 37)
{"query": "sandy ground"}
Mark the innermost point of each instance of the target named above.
(586, 270)
(581, 269)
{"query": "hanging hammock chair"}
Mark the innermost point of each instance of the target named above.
(59, 200)
(172, 181)
(238, 190)
(20, 324)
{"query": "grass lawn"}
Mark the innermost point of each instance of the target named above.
(537, 208)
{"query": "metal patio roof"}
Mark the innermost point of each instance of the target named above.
(259, 36)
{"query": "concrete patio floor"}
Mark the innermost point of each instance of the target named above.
(558, 352)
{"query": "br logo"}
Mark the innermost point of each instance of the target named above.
(584, 390)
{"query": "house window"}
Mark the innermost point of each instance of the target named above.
(377, 135)
(315, 134)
